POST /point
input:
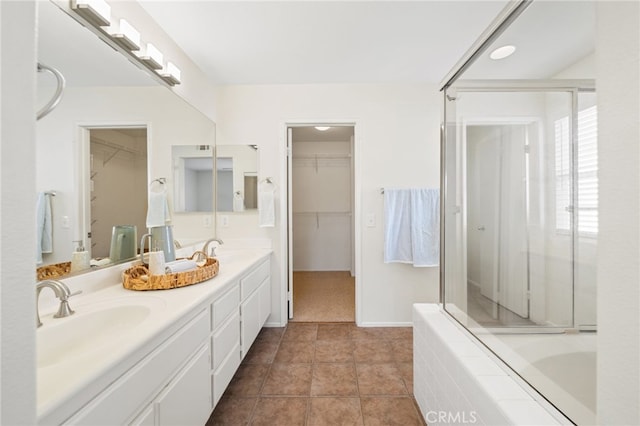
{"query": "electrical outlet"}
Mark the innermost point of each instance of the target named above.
(371, 220)
(206, 221)
(224, 221)
(66, 223)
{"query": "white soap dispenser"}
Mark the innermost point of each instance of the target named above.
(80, 258)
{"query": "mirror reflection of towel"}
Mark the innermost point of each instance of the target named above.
(44, 234)
(157, 210)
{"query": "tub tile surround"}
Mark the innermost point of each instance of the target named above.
(457, 381)
(58, 390)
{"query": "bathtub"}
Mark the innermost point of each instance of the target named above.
(561, 366)
(458, 381)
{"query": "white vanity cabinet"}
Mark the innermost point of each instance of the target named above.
(159, 384)
(225, 341)
(255, 305)
(178, 376)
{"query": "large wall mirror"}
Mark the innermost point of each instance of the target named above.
(193, 178)
(237, 178)
(97, 153)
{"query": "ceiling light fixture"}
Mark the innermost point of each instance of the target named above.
(502, 52)
(322, 128)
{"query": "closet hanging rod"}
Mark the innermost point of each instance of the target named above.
(324, 213)
(116, 146)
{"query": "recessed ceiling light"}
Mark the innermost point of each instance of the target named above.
(322, 128)
(502, 52)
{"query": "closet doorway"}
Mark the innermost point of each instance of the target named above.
(321, 223)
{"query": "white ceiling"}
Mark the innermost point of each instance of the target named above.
(313, 42)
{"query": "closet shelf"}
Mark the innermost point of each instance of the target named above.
(321, 157)
(324, 213)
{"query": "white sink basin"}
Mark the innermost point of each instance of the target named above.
(94, 327)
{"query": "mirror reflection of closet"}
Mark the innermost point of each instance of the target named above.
(237, 178)
(118, 167)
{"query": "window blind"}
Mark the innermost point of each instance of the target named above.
(586, 168)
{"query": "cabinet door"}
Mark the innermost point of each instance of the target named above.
(265, 301)
(187, 398)
(146, 418)
(250, 321)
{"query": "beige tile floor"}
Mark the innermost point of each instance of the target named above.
(323, 374)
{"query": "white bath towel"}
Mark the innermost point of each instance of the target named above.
(397, 226)
(267, 206)
(238, 202)
(425, 226)
(412, 226)
(157, 209)
(44, 232)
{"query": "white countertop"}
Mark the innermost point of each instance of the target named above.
(78, 375)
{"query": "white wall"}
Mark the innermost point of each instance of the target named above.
(397, 144)
(17, 216)
(618, 75)
(169, 121)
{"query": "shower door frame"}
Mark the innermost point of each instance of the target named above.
(450, 92)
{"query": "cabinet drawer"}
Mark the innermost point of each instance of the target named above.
(223, 375)
(226, 339)
(253, 280)
(187, 399)
(121, 400)
(225, 305)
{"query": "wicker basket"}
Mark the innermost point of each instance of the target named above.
(138, 277)
(55, 270)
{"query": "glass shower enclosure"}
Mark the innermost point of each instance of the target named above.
(519, 211)
(521, 205)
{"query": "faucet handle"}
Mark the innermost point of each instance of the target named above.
(64, 310)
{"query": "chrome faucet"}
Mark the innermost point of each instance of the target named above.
(62, 292)
(213, 249)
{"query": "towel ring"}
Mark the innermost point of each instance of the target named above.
(161, 181)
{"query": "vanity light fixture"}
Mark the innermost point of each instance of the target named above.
(97, 12)
(152, 57)
(502, 52)
(170, 74)
(127, 37)
(322, 128)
